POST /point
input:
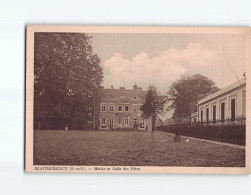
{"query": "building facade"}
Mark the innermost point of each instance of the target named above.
(227, 105)
(122, 109)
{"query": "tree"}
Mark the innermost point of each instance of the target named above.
(154, 105)
(185, 93)
(66, 75)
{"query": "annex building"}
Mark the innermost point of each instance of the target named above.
(122, 109)
(226, 106)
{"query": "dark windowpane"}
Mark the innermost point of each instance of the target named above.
(222, 111)
(232, 108)
(207, 114)
(214, 113)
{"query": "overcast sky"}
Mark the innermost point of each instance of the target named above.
(160, 59)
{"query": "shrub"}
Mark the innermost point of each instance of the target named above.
(235, 134)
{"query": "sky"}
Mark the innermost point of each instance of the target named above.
(160, 59)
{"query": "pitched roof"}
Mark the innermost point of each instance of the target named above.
(224, 90)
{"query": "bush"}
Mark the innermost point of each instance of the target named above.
(59, 124)
(235, 134)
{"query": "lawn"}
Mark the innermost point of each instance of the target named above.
(101, 148)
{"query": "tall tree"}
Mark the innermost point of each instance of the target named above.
(66, 75)
(185, 93)
(154, 105)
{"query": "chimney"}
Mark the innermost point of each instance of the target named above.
(135, 87)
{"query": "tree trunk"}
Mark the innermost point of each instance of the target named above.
(153, 122)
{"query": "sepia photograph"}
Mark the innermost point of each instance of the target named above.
(125, 97)
(137, 99)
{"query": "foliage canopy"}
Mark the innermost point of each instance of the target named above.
(185, 93)
(66, 76)
(154, 105)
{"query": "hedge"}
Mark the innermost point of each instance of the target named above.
(235, 134)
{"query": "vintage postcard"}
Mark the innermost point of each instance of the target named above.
(137, 99)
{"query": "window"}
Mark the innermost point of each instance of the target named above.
(233, 108)
(111, 108)
(135, 121)
(126, 120)
(194, 120)
(207, 114)
(103, 108)
(134, 108)
(103, 121)
(214, 113)
(201, 115)
(140, 107)
(222, 111)
(120, 108)
(120, 119)
(126, 108)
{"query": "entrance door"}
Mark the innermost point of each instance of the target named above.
(111, 123)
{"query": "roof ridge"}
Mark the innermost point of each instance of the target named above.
(223, 90)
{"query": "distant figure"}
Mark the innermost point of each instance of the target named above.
(66, 127)
(177, 137)
(146, 128)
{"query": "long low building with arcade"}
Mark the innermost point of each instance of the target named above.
(226, 106)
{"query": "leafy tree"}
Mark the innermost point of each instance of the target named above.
(185, 93)
(154, 105)
(66, 75)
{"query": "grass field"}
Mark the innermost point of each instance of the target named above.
(129, 149)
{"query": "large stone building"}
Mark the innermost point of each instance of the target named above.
(225, 106)
(121, 109)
